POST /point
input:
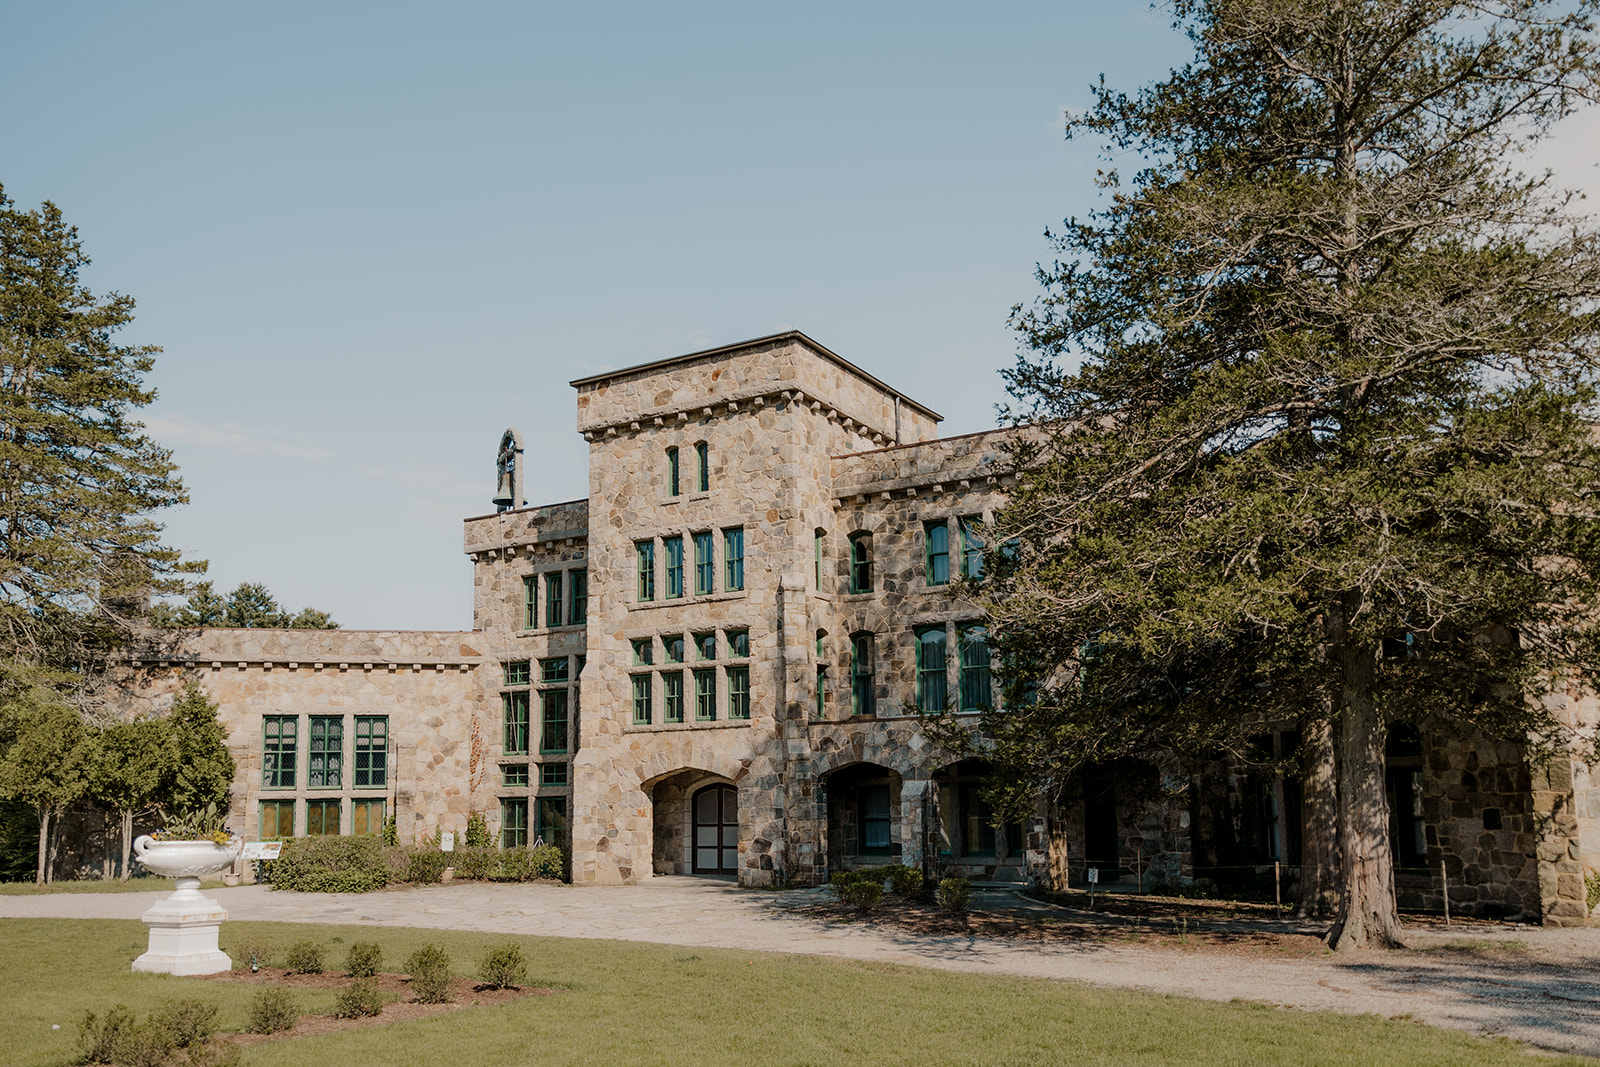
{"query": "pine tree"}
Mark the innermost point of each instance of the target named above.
(132, 761)
(1326, 451)
(201, 769)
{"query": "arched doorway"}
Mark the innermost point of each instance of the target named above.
(863, 817)
(716, 830)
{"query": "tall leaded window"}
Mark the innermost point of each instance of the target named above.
(322, 818)
(822, 674)
(862, 683)
(861, 562)
(705, 695)
(280, 739)
(552, 599)
(931, 685)
(513, 822)
(975, 686)
(705, 567)
(936, 552)
(550, 820)
(325, 755)
(366, 817)
(578, 606)
(673, 487)
(673, 546)
(733, 559)
(645, 565)
(514, 708)
(702, 466)
(530, 602)
(643, 712)
(873, 801)
(738, 692)
(672, 695)
(971, 548)
(277, 820)
(553, 720)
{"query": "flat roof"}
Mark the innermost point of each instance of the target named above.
(788, 335)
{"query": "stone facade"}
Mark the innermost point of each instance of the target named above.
(719, 661)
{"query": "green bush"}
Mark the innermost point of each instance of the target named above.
(148, 1044)
(478, 831)
(331, 865)
(247, 950)
(841, 881)
(863, 895)
(426, 865)
(503, 967)
(476, 863)
(272, 1010)
(1591, 889)
(391, 832)
(363, 959)
(98, 1037)
(190, 1022)
(906, 881)
(358, 1000)
(305, 957)
(215, 1054)
(538, 863)
(429, 968)
(954, 894)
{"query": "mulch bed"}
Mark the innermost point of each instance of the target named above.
(463, 994)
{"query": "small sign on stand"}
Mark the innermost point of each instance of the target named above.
(1093, 877)
(262, 850)
(447, 842)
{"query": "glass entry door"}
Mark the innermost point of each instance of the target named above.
(716, 830)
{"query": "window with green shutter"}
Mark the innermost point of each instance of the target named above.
(931, 682)
(372, 751)
(672, 547)
(704, 566)
(733, 559)
(645, 566)
(738, 692)
(705, 695)
(325, 753)
(280, 742)
(552, 599)
(515, 709)
(672, 695)
(578, 607)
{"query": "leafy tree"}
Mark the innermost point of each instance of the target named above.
(78, 477)
(201, 770)
(45, 753)
(1325, 451)
(250, 605)
(132, 762)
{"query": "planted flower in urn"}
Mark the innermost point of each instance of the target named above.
(183, 927)
(192, 844)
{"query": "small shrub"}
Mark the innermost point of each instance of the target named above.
(190, 1022)
(358, 1000)
(863, 895)
(146, 1044)
(429, 968)
(906, 881)
(841, 881)
(391, 832)
(478, 831)
(248, 950)
(305, 957)
(476, 863)
(363, 959)
(954, 894)
(503, 967)
(98, 1037)
(537, 863)
(215, 1053)
(426, 865)
(272, 1010)
(331, 865)
(1591, 888)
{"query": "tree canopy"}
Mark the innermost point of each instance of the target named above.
(1312, 398)
(250, 605)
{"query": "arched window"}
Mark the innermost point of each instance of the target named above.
(673, 483)
(861, 562)
(702, 467)
(822, 674)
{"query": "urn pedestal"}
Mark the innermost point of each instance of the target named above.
(184, 926)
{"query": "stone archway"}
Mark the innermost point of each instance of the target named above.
(864, 823)
(673, 799)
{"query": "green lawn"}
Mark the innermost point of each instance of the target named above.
(144, 884)
(627, 1003)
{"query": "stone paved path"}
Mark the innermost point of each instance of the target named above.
(1546, 992)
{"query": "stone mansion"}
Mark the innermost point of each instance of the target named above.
(719, 661)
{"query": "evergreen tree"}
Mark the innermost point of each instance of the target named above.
(200, 771)
(1325, 452)
(45, 756)
(132, 761)
(251, 605)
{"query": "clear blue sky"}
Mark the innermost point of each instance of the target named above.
(371, 237)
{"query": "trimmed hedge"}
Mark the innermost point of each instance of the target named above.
(330, 865)
(361, 864)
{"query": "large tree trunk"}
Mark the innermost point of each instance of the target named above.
(1368, 917)
(44, 845)
(1319, 860)
(127, 845)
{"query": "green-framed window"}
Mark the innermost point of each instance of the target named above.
(552, 720)
(971, 547)
(325, 752)
(863, 683)
(672, 645)
(550, 820)
(872, 802)
(932, 686)
(738, 692)
(936, 552)
(367, 816)
(672, 695)
(861, 562)
(705, 645)
(530, 602)
(514, 775)
(552, 599)
(513, 822)
(578, 598)
(372, 751)
(672, 548)
(322, 818)
(279, 749)
(643, 711)
(816, 555)
(705, 695)
(673, 483)
(702, 467)
(822, 674)
(515, 673)
(277, 820)
(515, 709)
(733, 559)
(975, 684)
(555, 671)
(705, 567)
(739, 644)
(644, 553)
(552, 774)
(644, 652)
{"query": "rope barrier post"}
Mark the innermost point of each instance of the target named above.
(1444, 885)
(1277, 885)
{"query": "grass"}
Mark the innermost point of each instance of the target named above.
(142, 884)
(628, 1003)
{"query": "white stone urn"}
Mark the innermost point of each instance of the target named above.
(184, 926)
